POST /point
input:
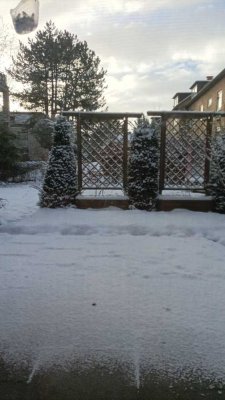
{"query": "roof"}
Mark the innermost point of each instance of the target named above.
(182, 94)
(199, 83)
(26, 113)
(183, 102)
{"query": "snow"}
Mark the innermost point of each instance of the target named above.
(157, 280)
(184, 195)
(103, 194)
(20, 200)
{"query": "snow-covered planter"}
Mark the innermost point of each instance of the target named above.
(217, 172)
(60, 182)
(143, 166)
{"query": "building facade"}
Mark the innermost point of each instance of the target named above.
(205, 95)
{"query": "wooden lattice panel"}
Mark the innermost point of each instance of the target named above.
(102, 154)
(185, 153)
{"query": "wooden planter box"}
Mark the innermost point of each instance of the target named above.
(168, 203)
(102, 202)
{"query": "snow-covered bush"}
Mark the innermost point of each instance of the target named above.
(143, 165)
(216, 185)
(60, 182)
(26, 171)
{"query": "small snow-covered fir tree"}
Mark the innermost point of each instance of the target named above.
(217, 172)
(60, 182)
(143, 165)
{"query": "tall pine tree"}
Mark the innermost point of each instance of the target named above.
(60, 182)
(58, 72)
(143, 166)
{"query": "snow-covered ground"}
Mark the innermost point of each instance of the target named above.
(147, 288)
(19, 200)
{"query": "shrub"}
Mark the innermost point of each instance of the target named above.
(26, 171)
(43, 130)
(143, 166)
(8, 152)
(60, 182)
(216, 185)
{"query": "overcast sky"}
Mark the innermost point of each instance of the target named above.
(150, 48)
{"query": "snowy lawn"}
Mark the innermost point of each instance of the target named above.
(144, 289)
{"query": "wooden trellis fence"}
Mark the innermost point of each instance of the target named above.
(102, 148)
(185, 147)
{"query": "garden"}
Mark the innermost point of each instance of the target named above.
(109, 303)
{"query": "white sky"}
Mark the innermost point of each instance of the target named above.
(151, 49)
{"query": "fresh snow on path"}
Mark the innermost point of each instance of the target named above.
(157, 280)
(20, 200)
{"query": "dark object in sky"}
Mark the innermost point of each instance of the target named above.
(25, 16)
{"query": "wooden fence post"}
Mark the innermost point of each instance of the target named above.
(125, 152)
(208, 149)
(79, 153)
(162, 154)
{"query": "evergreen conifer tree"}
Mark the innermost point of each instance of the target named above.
(143, 165)
(57, 71)
(60, 183)
(217, 172)
(9, 154)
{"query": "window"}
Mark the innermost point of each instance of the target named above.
(195, 89)
(210, 102)
(176, 101)
(219, 100)
(201, 107)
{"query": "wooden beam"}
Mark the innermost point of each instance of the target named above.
(100, 115)
(183, 114)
